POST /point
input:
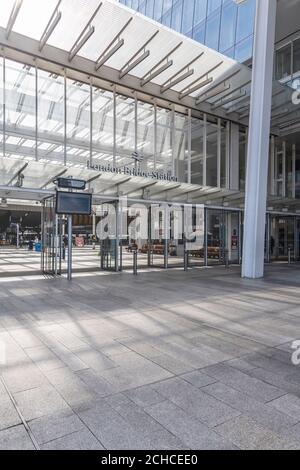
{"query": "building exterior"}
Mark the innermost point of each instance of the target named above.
(224, 25)
(157, 124)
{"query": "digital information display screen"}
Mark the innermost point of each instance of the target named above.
(70, 183)
(73, 203)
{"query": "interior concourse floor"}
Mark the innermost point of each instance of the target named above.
(163, 360)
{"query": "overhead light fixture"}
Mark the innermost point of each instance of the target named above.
(4, 202)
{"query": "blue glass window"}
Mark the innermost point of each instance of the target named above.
(213, 5)
(200, 11)
(212, 31)
(188, 15)
(150, 8)
(177, 16)
(228, 25)
(158, 9)
(246, 20)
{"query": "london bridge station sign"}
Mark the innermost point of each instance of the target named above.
(129, 171)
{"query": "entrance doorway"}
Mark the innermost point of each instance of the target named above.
(283, 237)
(223, 235)
(20, 236)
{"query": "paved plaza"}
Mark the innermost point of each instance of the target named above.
(164, 360)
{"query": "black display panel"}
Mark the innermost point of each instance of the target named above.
(73, 203)
(70, 183)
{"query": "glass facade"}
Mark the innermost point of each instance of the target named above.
(49, 118)
(287, 63)
(222, 25)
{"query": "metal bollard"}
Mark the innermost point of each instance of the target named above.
(186, 260)
(289, 256)
(226, 259)
(135, 265)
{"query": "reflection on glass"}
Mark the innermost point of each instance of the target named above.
(20, 110)
(102, 126)
(212, 153)
(145, 135)
(78, 122)
(181, 146)
(51, 129)
(197, 148)
(164, 154)
(1, 106)
(283, 62)
(125, 130)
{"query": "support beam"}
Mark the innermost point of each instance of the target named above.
(113, 46)
(136, 59)
(13, 17)
(84, 36)
(258, 142)
(52, 23)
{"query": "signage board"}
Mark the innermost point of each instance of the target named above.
(73, 203)
(70, 183)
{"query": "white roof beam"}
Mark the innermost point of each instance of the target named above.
(158, 68)
(13, 16)
(53, 178)
(238, 88)
(194, 86)
(134, 64)
(207, 94)
(177, 78)
(84, 36)
(52, 23)
(230, 100)
(136, 59)
(112, 48)
(157, 72)
(17, 174)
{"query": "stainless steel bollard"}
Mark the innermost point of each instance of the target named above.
(186, 260)
(135, 265)
(289, 256)
(226, 259)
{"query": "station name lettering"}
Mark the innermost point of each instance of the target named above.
(125, 170)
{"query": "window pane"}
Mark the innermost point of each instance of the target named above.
(213, 5)
(283, 62)
(1, 106)
(243, 50)
(78, 122)
(200, 11)
(224, 141)
(212, 154)
(197, 151)
(158, 9)
(212, 31)
(245, 20)
(145, 135)
(177, 16)
(296, 56)
(102, 126)
(20, 82)
(125, 130)
(50, 117)
(228, 24)
(181, 146)
(187, 19)
(164, 141)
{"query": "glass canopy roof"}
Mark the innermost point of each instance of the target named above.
(138, 46)
(132, 44)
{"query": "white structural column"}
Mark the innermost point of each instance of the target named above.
(258, 141)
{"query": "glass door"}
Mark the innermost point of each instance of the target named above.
(51, 239)
(107, 235)
(282, 238)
